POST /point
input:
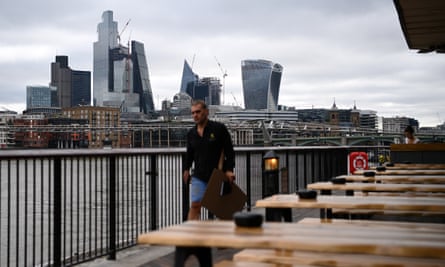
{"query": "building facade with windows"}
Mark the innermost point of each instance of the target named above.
(38, 96)
(103, 124)
(261, 84)
(73, 87)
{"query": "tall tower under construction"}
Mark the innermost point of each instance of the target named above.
(120, 76)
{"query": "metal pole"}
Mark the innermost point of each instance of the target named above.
(112, 209)
(57, 225)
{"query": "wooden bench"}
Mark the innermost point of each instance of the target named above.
(329, 259)
(227, 263)
(388, 212)
(413, 166)
(334, 259)
(395, 179)
(398, 194)
(377, 224)
(409, 190)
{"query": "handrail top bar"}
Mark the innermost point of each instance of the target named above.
(49, 153)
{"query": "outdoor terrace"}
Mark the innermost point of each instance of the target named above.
(68, 207)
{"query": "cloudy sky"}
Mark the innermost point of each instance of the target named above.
(332, 50)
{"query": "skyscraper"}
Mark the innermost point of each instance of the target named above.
(188, 76)
(141, 81)
(73, 86)
(80, 88)
(120, 76)
(261, 84)
(206, 88)
(107, 39)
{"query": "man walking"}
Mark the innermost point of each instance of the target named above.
(208, 143)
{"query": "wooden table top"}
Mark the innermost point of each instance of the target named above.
(337, 238)
(405, 172)
(386, 203)
(414, 166)
(416, 179)
(436, 188)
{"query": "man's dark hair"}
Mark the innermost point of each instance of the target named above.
(409, 129)
(199, 102)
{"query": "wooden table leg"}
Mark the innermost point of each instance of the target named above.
(278, 214)
(203, 254)
(325, 213)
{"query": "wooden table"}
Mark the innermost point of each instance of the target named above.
(414, 166)
(405, 172)
(327, 187)
(327, 203)
(415, 179)
(399, 243)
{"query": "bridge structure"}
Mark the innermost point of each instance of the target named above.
(352, 140)
(244, 133)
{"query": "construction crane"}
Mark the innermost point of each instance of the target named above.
(122, 31)
(224, 73)
(236, 102)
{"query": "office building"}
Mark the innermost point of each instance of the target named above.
(73, 87)
(80, 88)
(141, 80)
(188, 77)
(398, 124)
(120, 76)
(38, 96)
(261, 84)
(206, 88)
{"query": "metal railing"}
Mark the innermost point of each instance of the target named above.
(65, 207)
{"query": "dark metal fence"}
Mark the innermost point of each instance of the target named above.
(65, 207)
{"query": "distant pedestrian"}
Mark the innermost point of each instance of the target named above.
(410, 138)
(207, 141)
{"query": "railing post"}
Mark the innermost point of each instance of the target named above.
(248, 182)
(185, 194)
(57, 223)
(112, 209)
(154, 195)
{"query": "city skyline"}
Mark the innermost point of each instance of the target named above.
(342, 51)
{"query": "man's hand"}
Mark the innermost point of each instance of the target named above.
(186, 176)
(230, 176)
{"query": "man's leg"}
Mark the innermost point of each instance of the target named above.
(194, 211)
(198, 188)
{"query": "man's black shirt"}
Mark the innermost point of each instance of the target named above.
(205, 151)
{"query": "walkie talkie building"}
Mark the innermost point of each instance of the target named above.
(261, 84)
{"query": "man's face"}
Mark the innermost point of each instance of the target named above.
(199, 114)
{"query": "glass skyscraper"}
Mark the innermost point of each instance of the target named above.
(38, 96)
(80, 88)
(120, 76)
(141, 81)
(261, 84)
(206, 88)
(107, 39)
(188, 76)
